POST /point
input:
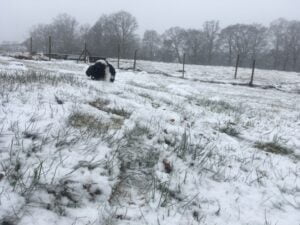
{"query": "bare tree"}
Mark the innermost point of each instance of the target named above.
(257, 39)
(294, 33)
(83, 33)
(277, 47)
(64, 34)
(111, 31)
(227, 40)
(246, 40)
(194, 41)
(174, 41)
(123, 27)
(97, 37)
(39, 34)
(151, 44)
(278, 29)
(285, 40)
(211, 30)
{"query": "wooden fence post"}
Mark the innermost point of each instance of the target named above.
(183, 64)
(30, 45)
(134, 62)
(118, 56)
(237, 65)
(252, 75)
(49, 48)
(85, 51)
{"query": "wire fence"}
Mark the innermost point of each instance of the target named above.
(124, 64)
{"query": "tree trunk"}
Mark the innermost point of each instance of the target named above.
(230, 56)
(285, 62)
(178, 55)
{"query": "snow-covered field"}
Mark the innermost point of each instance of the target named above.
(151, 148)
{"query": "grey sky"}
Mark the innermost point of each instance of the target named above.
(18, 16)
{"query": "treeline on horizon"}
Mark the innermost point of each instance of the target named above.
(276, 46)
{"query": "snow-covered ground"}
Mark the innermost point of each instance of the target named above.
(150, 148)
(217, 74)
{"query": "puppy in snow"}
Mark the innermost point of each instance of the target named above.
(102, 70)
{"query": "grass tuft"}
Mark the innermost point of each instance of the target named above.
(14, 81)
(217, 106)
(273, 147)
(120, 112)
(102, 104)
(229, 129)
(88, 123)
(99, 103)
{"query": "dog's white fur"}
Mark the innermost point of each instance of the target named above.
(107, 72)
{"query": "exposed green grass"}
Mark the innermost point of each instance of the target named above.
(145, 86)
(116, 122)
(88, 123)
(219, 106)
(137, 131)
(102, 104)
(99, 103)
(146, 95)
(120, 111)
(273, 147)
(11, 81)
(229, 129)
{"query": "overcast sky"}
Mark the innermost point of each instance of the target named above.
(18, 16)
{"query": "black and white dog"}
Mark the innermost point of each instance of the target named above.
(101, 70)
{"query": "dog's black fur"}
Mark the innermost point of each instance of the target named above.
(99, 71)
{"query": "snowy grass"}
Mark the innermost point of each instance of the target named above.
(275, 146)
(41, 78)
(89, 123)
(229, 129)
(147, 149)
